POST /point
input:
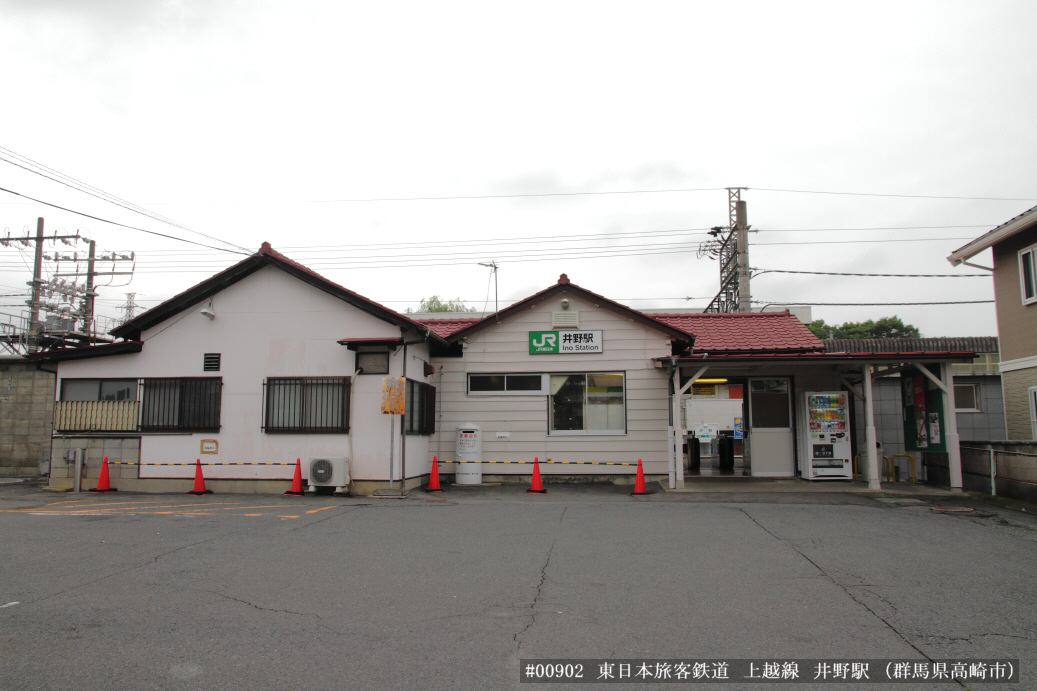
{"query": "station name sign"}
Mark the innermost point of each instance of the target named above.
(564, 342)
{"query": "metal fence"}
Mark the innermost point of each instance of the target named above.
(995, 464)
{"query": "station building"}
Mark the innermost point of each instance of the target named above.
(268, 362)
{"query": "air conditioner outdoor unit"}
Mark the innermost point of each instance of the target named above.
(328, 472)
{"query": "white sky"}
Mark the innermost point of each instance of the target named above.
(246, 121)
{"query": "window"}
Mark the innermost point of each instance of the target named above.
(587, 404)
(966, 398)
(420, 417)
(769, 403)
(373, 363)
(99, 389)
(307, 405)
(507, 385)
(1028, 274)
(187, 404)
(211, 362)
(1033, 411)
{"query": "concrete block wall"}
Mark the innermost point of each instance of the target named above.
(121, 449)
(26, 412)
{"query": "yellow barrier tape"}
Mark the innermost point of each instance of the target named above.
(543, 462)
(229, 463)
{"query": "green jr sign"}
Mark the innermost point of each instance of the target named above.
(543, 342)
(564, 342)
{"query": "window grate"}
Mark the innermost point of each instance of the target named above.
(211, 362)
(314, 405)
(186, 404)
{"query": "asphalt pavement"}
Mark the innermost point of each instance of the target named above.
(451, 591)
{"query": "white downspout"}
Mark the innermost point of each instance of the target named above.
(352, 388)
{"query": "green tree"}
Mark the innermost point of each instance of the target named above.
(887, 327)
(435, 304)
(820, 329)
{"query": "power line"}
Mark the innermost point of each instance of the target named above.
(795, 303)
(834, 273)
(122, 225)
(902, 196)
(847, 242)
(80, 186)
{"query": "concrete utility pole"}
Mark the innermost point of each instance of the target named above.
(88, 304)
(742, 238)
(35, 328)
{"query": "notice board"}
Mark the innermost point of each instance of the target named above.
(924, 428)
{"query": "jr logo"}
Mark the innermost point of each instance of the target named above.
(546, 340)
(543, 342)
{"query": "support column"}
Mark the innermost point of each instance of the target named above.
(676, 466)
(950, 423)
(870, 438)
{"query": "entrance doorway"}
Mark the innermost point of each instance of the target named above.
(770, 428)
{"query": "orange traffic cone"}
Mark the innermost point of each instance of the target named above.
(296, 490)
(104, 484)
(433, 478)
(639, 482)
(199, 481)
(537, 487)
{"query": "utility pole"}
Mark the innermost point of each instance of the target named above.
(492, 264)
(38, 334)
(732, 250)
(742, 239)
(37, 279)
(88, 303)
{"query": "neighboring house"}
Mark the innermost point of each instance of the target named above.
(263, 363)
(1014, 247)
(26, 408)
(977, 389)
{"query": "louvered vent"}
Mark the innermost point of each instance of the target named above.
(565, 320)
(211, 362)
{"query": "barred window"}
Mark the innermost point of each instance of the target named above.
(183, 404)
(307, 405)
(421, 408)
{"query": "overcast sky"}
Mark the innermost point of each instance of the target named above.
(283, 122)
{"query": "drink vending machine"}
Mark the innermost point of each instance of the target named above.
(827, 451)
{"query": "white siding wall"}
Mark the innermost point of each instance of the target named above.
(628, 347)
(268, 325)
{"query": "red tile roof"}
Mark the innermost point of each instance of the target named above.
(755, 332)
(758, 332)
(445, 327)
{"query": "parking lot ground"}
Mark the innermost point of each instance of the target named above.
(451, 591)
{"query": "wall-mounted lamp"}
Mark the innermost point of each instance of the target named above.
(565, 303)
(207, 311)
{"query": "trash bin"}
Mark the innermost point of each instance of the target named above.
(694, 456)
(726, 453)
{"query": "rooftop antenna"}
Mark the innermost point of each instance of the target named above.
(492, 266)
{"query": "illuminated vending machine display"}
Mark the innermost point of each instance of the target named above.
(827, 451)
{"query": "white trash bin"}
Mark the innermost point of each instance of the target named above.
(469, 455)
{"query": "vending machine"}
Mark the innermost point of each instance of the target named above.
(826, 453)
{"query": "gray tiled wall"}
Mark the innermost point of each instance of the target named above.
(988, 424)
